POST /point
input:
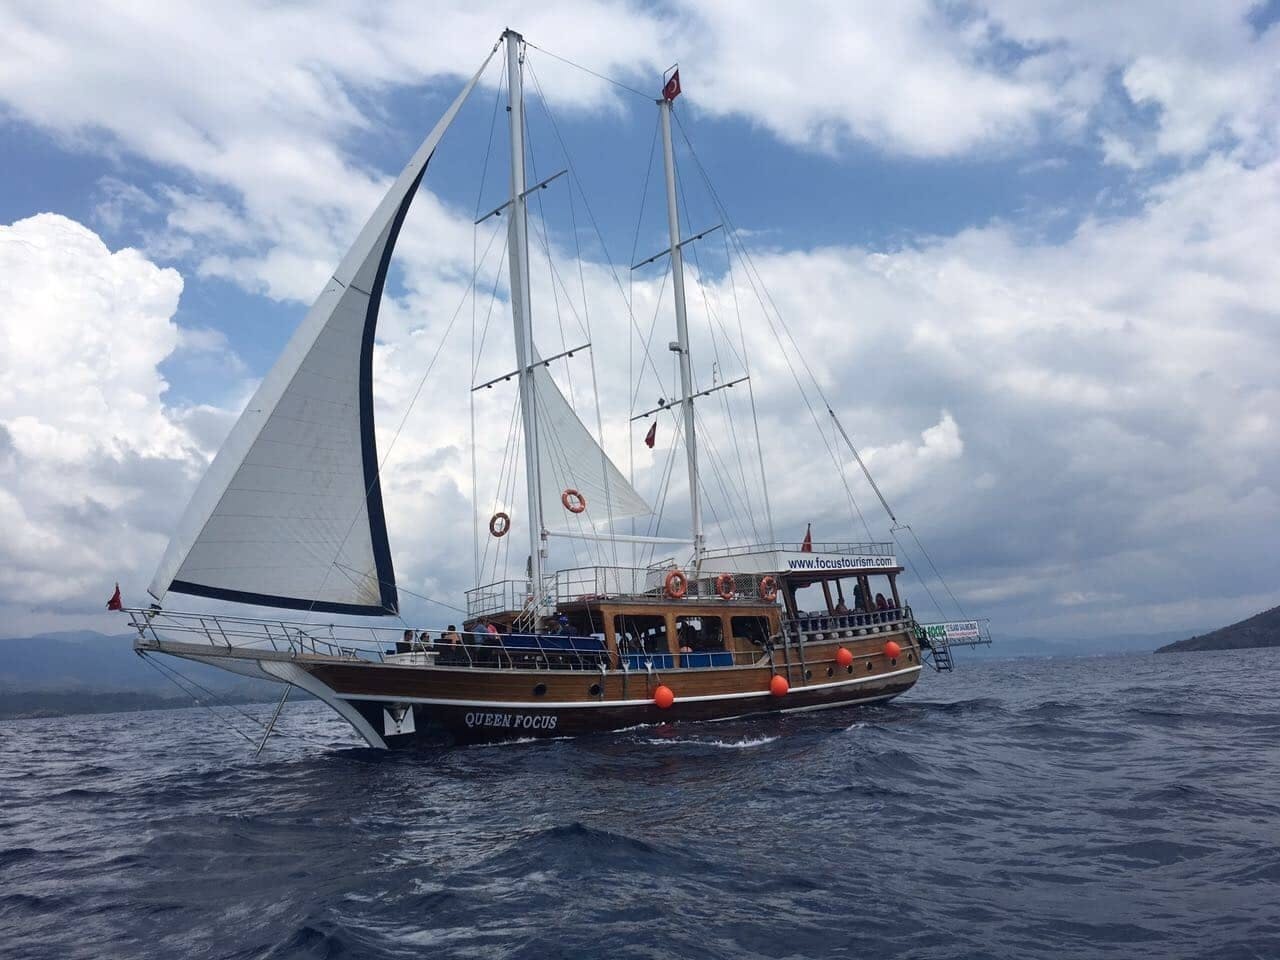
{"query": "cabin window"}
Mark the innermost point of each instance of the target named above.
(639, 634)
(700, 634)
(752, 629)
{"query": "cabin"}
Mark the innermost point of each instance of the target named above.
(744, 602)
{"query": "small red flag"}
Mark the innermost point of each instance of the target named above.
(651, 437)
(807, 546)
(115, 603)
(672, 88)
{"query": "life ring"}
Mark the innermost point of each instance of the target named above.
(573, 501)
(725, 585)
(768, 589)
(676, 584)
(499, 524)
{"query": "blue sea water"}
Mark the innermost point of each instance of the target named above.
(1116, 806)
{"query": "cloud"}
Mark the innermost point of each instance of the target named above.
(91, 455)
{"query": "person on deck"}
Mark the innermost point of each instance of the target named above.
(841, 606)
(405, 643)
(882, 607)
(450, 636)
(562, 627)
(491, 628)
(424, 639)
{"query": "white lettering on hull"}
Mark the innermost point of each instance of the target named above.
(511, 721)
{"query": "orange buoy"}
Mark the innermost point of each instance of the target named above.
(891, 650)
(768, 589)
(499, 524)
(663, 697)
(725, 586)
(844, 656)
(778, 686)
(676, 584)
(573, 501)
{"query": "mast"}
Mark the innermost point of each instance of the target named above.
(681, 346)
(521, 313)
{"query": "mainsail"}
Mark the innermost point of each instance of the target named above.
(289, 514)
(570, 458)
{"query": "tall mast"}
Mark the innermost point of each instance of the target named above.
(681, 345)
(518, 258)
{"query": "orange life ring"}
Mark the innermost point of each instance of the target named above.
(725, 585)
(573, 501)
(768, 589)
(676, 584)
(499, 524)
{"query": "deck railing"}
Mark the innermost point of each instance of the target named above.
(607, 583)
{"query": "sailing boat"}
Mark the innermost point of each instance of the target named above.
(290, 515)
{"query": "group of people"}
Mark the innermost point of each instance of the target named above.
(484, 633)
(879, 605)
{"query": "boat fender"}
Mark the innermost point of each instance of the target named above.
(768, 589)
(676, 584)
(844, 656)
(499, 524)
(573, 501)
(725, 586)
(778, 686)
(663, 697)
(891, 650)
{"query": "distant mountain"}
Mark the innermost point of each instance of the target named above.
(1262, 630)
(87, 672)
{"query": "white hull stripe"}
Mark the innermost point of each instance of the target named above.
(647, 701)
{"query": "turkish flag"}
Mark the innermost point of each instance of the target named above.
(807, 546)
(672, 89)
(115, 603)
(651, 437)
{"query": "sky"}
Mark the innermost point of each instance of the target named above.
(1027, 252)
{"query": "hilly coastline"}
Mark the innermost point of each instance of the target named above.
(1262, 630)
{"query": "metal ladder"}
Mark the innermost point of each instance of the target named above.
(935, 653)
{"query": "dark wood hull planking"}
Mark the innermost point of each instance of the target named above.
(411, 706)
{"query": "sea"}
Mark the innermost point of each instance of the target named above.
(1124, 806)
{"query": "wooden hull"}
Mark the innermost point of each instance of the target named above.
(442, 722)
(398, 705)
(411, 706)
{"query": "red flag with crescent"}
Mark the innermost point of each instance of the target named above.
(672, 88)
(807, 546)
(651, 437)
(115, 603)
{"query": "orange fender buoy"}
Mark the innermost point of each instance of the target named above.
(768, 589)
(891, 650)
(573, 501)
(663, 697)
(844, 656)
(725, 586)
(676, 584)
(778, 686)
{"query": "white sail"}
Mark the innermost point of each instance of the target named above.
(289, 514)
(570, 458)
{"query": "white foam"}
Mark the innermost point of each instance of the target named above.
(719, 744)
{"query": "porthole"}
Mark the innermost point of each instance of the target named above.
(594, 690)
(849, 668)
(911, 658)
(540, 690)
(869, 666)
(830, 672)
(893, 662)
(808, 674)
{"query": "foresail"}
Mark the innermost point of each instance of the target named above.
(570, 458)
(289, 514)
